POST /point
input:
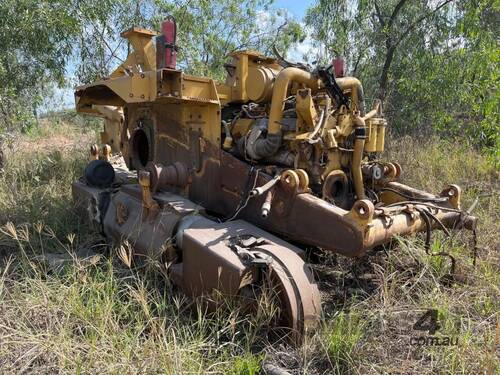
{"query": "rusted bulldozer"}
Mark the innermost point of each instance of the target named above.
(235, 181)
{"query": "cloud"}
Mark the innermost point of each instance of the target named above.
(263, 18)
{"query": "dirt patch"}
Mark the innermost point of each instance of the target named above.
(47, 138)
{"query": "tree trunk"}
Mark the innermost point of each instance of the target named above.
(384, 77)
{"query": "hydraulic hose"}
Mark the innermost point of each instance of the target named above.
(262, 189)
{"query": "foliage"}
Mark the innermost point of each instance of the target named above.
(99, 48)
(342, 336)
(210, 30)
(35, 37)
(454, 83)
(48, 43)
(433, 63)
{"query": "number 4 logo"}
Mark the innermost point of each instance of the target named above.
(428, 322)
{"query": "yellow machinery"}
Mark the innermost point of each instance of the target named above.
(229, 174)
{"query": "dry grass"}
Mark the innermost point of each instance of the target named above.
(96, 315)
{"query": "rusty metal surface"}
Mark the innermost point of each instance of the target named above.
(126, 220)
(300, 293)
(86, 200)
(209, 260)
(224, 270)
(219, 182)
(382, 230)
(301, 217)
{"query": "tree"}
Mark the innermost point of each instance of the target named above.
(36, 41)
(434, 63)
(362, 30)
(99, 47)
(208, 30)
(42, 40)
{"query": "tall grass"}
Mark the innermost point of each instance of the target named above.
(65, 313)
(98, 316)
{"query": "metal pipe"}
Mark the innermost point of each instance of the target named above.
(404, 223)
(319, 125)
(262, 189)
(262, 148)
(373, 112)
(176, 174)
(359, 145)
(357, 94)
(266, 206)
(394, 192)
(280, 91)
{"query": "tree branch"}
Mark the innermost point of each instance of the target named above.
(379, 14)
(418, 21)
(395, 12)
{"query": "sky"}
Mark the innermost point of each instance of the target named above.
(297, 8)
(63, 98)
